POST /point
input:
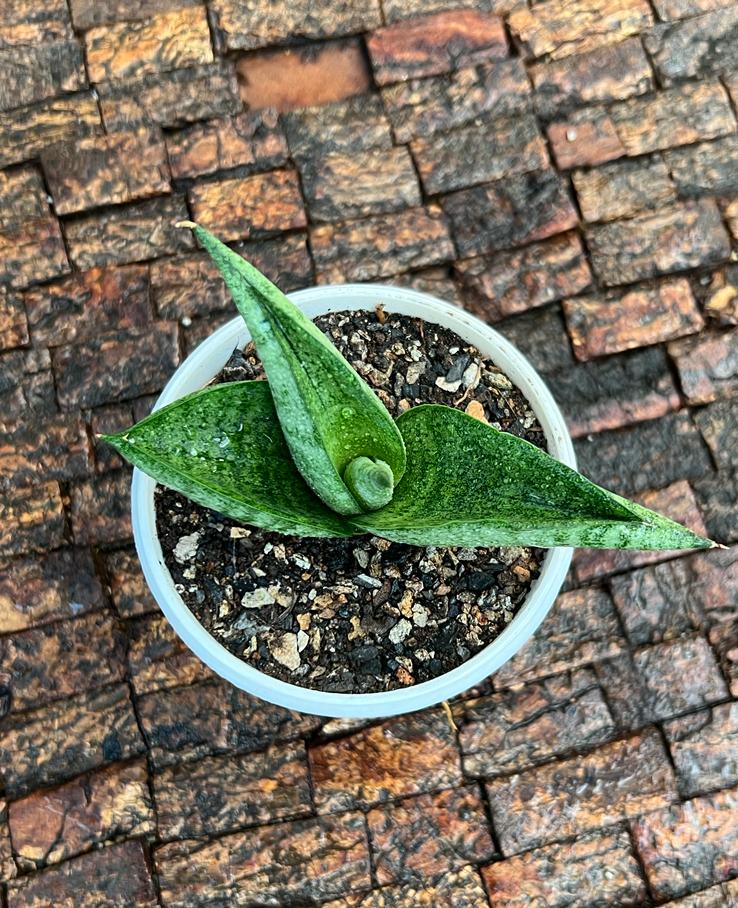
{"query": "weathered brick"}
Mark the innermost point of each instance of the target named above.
(722, 636)
(423, 107)
(33, 73)
(709, 167)
(689, 846)
(249, 206)
(594, 869)
(128, 234)
(251, 24)
(31, 519)
(707, 365)
(718, 499)
(32, 252)
(56, 448)
(89, 13)
(622, 189)
(144, 359)
(170, 99)
(395, 10)
(531, 206)
(26, 382)
(25, 22)
(287, 79)
(251, 141)
(541, 336)
(118, 875)
(714, 582)
(405, 756)
(62, 740)
(7, 866)
(645, 456)
(718, 423)
(687, 235)
(704, 747)
(158, 659)
(625, 691)
(434, 44)
(22, 197)
(490, 151)
(420, 838)
(722, 896)
(232, 792)
(729, 208)
(559, 28)
(53, 825)
(128, 588)
(613, 322)
(328, 856)
(101, 509)
(514, 729)
(188, 723)
(457, 889)
(171, 40)
(376, 181)
(108, 420)
(610, 73)
(679, 50)
(586, 138)
(380, 246)
(582, 794)
(343, 127)
(13, 321)
(683, 9)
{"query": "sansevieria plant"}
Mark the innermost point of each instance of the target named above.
(312, 451)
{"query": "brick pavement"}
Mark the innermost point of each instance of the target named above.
(568, 170)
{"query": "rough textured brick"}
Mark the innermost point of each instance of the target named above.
(457, 889)
(625, 691)
(13, 321)
(707, 366)
(704, 747)
(607, 74)
(541, 336)
(101, 509)
(249, 206)
(7, 866)
(53, 825)
(687, 235)
(588, 137)
(31, 519)
(622, 189)
(32, 252)
(395, 10)
(158, 659)
(490, 151)
(649, 455)
(26, 382)
(730, 213)
(718, 498)
(610, 323)
(107, 420)
(22, 196)
(24, 22)
(64, 739)
(507, 283)
(514, 729)
(683, 9)
(304, 860)
(679, 50)
(377, 181)
(558, 28)
(423, 107)
(532, 206)
(33, 73)
(689, 846)
(709, 167)
(380, 246)
(118, 875)
(130, 594)
(434, 44)
(718, 423)
(26, 132)
(597, 869)
(585, 793)
(288, 79)
(420, 838)
(405, 756)
(89, 13)
(343, 127)
(129, 234)
(252, 141)
(172, 40)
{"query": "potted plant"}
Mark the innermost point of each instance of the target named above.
(333, 557)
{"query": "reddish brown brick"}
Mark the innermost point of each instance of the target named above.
(625, 691)
(420, 838)
(26, 382)
(405, 756)
(343, 127)
(718, 424)
(252, 141)
(586, 138)
(128, 588)
(540, 335)
(510, 282)
(31, 520)
(158, 659)
(380, 246)
(687, 235)
(457, 889)
(610, 73)
(232, 792)
(32, 252)
(56, 448)
(559, 28)
(623, 189)
(709, 167)
(53, 825)
(422, 107)
(101, 509)
(707, 365)
(13, 321)
(594, 868)
(250, 206)
(328, 856)
(434, 44)
(62, 740)
(118, 874)
(618, 781)
(30, 73)
(718, 498)
(22, 197)
(128, 234)
(704, 747)
(510, 212)
(171, 40)
(679, 50)
(288, 79)
(689, 846)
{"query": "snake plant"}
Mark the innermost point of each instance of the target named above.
(312, 451)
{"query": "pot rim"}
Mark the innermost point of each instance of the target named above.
(205, 362)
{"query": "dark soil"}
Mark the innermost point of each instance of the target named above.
(361, 614)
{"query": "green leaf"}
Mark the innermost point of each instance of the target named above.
(223, 448)
(329, 415)
(469, 484)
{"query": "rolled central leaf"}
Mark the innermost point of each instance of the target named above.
(370, 481)
(328, 414)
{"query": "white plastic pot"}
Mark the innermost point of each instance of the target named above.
(206, 361)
